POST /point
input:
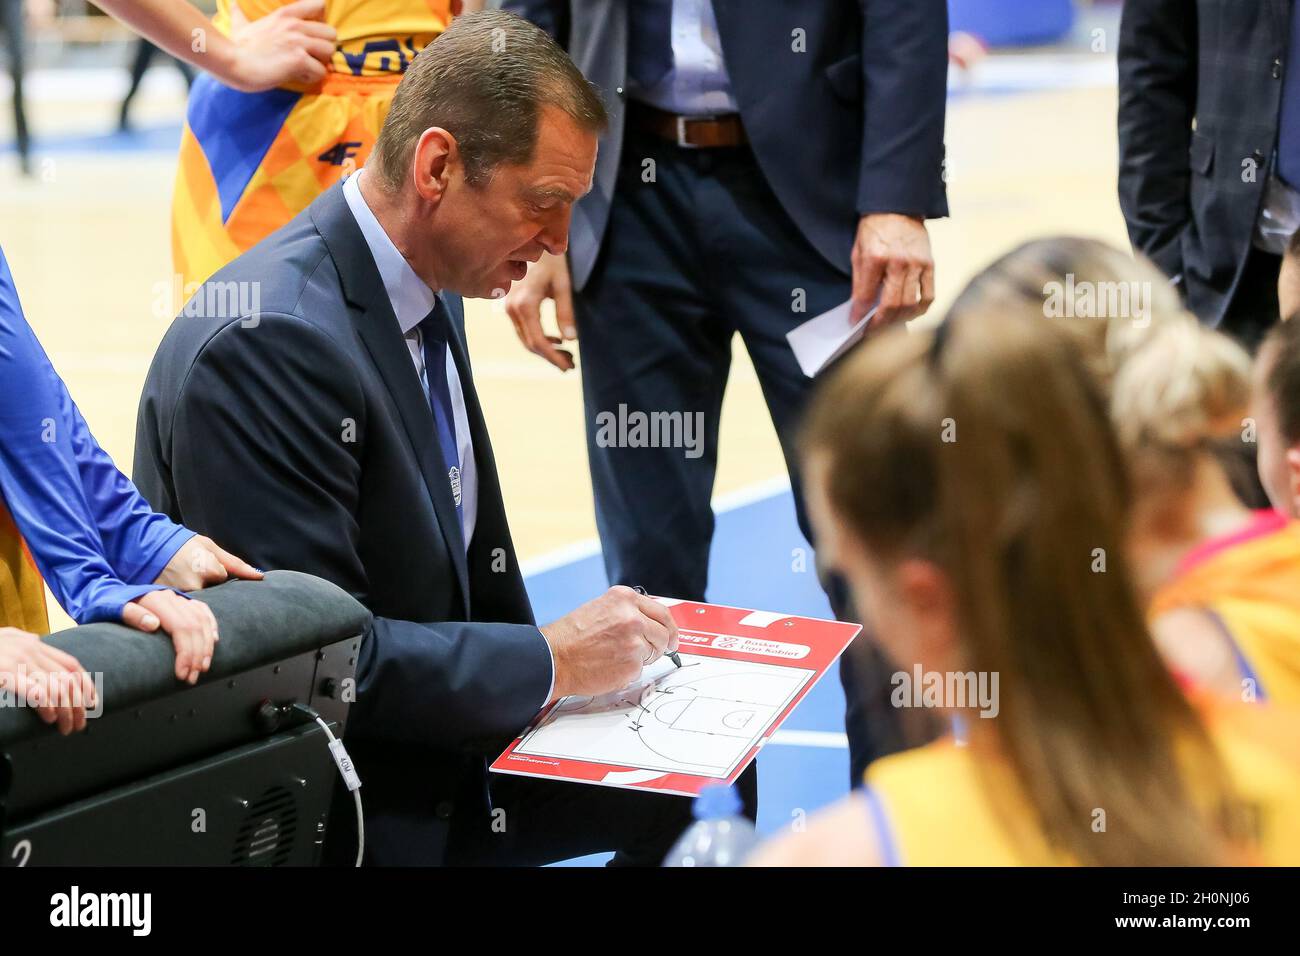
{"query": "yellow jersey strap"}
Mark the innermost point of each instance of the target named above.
(879, 821)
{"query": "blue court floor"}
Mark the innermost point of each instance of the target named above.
(756, 548)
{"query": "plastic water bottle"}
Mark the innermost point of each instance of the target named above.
(720, 836)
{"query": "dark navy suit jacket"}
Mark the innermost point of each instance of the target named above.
(843, 102)
(1200, 87)
(300, 438)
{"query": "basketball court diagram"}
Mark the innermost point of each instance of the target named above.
(702, 718)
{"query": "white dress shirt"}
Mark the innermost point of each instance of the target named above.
(697, 84)
(412, 301)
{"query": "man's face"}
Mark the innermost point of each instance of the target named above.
(493, 230)
(1276, 471)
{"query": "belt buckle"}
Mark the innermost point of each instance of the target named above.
(681, 130)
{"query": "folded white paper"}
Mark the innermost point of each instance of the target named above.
(821, 340)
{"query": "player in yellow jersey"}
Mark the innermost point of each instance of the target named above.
(967, 482)
(1222, 576)
(1225, 579)
(250, 162)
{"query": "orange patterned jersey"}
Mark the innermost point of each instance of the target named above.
(250, 162)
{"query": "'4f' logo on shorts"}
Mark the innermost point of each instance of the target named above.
(338, 155)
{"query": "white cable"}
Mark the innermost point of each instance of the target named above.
(350, 778)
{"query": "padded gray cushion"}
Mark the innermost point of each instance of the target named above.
(261, 621)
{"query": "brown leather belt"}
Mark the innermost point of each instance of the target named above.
(692, 132)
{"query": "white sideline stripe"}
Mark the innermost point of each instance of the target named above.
(581, 550)
(751, 493)
(811, 738)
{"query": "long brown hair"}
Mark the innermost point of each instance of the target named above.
(985, 447)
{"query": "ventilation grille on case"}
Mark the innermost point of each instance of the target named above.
(267, 832)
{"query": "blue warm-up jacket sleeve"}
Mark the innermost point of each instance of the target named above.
(97, 543)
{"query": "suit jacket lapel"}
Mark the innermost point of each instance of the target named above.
(379, 330)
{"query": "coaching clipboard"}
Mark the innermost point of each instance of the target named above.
(677, 730)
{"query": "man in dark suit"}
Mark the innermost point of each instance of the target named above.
(765, 161)
(1209, 136)
(329, 424)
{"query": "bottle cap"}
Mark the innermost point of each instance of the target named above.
(717, 801)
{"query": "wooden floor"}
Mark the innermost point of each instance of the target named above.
(88, 244)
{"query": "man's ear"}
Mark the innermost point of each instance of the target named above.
(435, 154)
(1293, 479)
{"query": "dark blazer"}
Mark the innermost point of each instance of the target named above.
(300, 438)
(1191, 196)
(853, 124)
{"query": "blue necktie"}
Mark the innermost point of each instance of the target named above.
(650, 42)
(433, 333)
(1288, 138)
